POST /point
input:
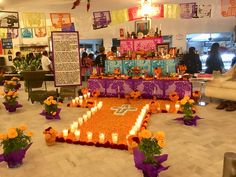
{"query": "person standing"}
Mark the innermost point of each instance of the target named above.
(192, 61)
(214, 61)
(46, 62)
(100, 60)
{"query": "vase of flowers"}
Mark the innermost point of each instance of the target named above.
(51, 110)
(11, 103)
(196, 96)
(147, 153)
(15, 144)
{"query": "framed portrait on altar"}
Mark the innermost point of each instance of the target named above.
(142, 26)
(162, 49)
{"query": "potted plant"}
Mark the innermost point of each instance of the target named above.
(11, 103)
(16, 79)
(15, 144)
(9, 85)
(147, 154)
(51, 110)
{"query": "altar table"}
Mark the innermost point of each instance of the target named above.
(160, 88)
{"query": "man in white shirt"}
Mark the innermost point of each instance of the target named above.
(46, 63)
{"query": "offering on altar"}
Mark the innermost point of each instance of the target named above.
(157, 72)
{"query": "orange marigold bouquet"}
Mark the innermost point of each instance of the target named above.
(182, 67)
(157, 71)
(15, 139)
(11, 98)
(84, 91)
(174, 97)
(135, 94)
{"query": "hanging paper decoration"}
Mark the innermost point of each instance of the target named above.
(134, 13)
(171, 10)
(204, 11)
(119, 16)
(3, 32)
(228, 8)
(68, 28)
(33, 20)
(40, 32)
(26, 32)
(59, 19)
(12, 33)
(88, 5)
(158, 11)
(187, 10)
(75, 4)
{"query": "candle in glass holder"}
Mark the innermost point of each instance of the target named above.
(81, 97)
(132, 132)
(73, 102)
(72, 129)
(77, 100)
(77, 134)
(80, 120)
(75, 125)
(85, 96)
(85, 117)
(114, 137)
(92, 111)
(167, 107)
(89, 114)
(101, 137)
(88, 94)
(95, 109)
(65, 133)
(80, 102)
(89, 136)
(99, 106)
(177, 106)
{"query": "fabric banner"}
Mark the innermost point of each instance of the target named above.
(26, 32)
(134, 13)
(33, 20)
(187, 10)
(60, 19)
(119, 16)
(158, 11)
(204, 10)
(50, 29)
(171, 10)
(40, 32)
(12, 33)
(228, 8)
(68, 28)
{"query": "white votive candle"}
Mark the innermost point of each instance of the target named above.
(89, 114)
(89, 136)
(72, 129)
(85, 96)
(85, 117)
(81, 97)
(114, 137)
(132, 132)
(92, 111)
(77, 134)
(73, 102)
(95, 109)
(80, 120)
(80, 102)
(177, 106)
(89, 94)
(75, 125)
(77, 99)
(167, 107)
(101, 137)
(65, 132)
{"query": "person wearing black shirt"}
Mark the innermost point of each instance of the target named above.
(192, 61)
(100, 60)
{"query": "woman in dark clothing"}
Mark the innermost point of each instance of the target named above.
(100, 60)
(214, 61)
(192, 61)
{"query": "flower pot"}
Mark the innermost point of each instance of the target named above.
(50, 139)
(49, 116)
(14, 159)
(11, 108)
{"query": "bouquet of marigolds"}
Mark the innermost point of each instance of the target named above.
(15, 139)
(11, 97)
(9, 85)
(187, 107)
(174, 97)
(51, 106)
(15, 79)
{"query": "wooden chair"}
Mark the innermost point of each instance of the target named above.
(35, 80)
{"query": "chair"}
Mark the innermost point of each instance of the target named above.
(33, 80)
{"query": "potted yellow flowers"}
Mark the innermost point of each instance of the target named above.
(11, 103)
(147, 155)
(51, 110)
(15, 144)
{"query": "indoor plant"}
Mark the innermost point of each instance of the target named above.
(147, 154)
(11, 102)
(9, 85)
(15, 144)
(16, 79)
(51, 110)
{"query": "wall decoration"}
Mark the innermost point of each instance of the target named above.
(101, 14)
(60, 19)
(228, 8)
(9, 19)
(119, 16)
(26, 32)
(3, 32)
(101, 19)
(142, 26)
(12, 33)
(134, 13)
(171, 10)
(204, 10)
(68, 28)
(163, 49)
(7, 43)
(186, 10)
(40, 32)
(158, 11)
(34, 20)
(66, 58)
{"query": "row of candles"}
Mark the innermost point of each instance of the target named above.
(79, 100)
(74, 127)
(177, 106)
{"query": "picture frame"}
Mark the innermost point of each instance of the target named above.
(162, 49)
(142, 26)
(9, 19)
(26, 32)
(102, 15)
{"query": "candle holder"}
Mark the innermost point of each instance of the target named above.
(177, 107)
(77, 134)
(167, 107)
(89, 136)
(114, 138)
(101, 137)
(65, 133)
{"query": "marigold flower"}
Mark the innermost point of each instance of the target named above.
(23, 127)
(191, 101)
(134, 145)
(160, 135)
(50, 98)
(186, 97)
(145, 134)
(30, 134)
(54, 102)
(3, 136)
(161, 143)
(12, 133)
(183, 102)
